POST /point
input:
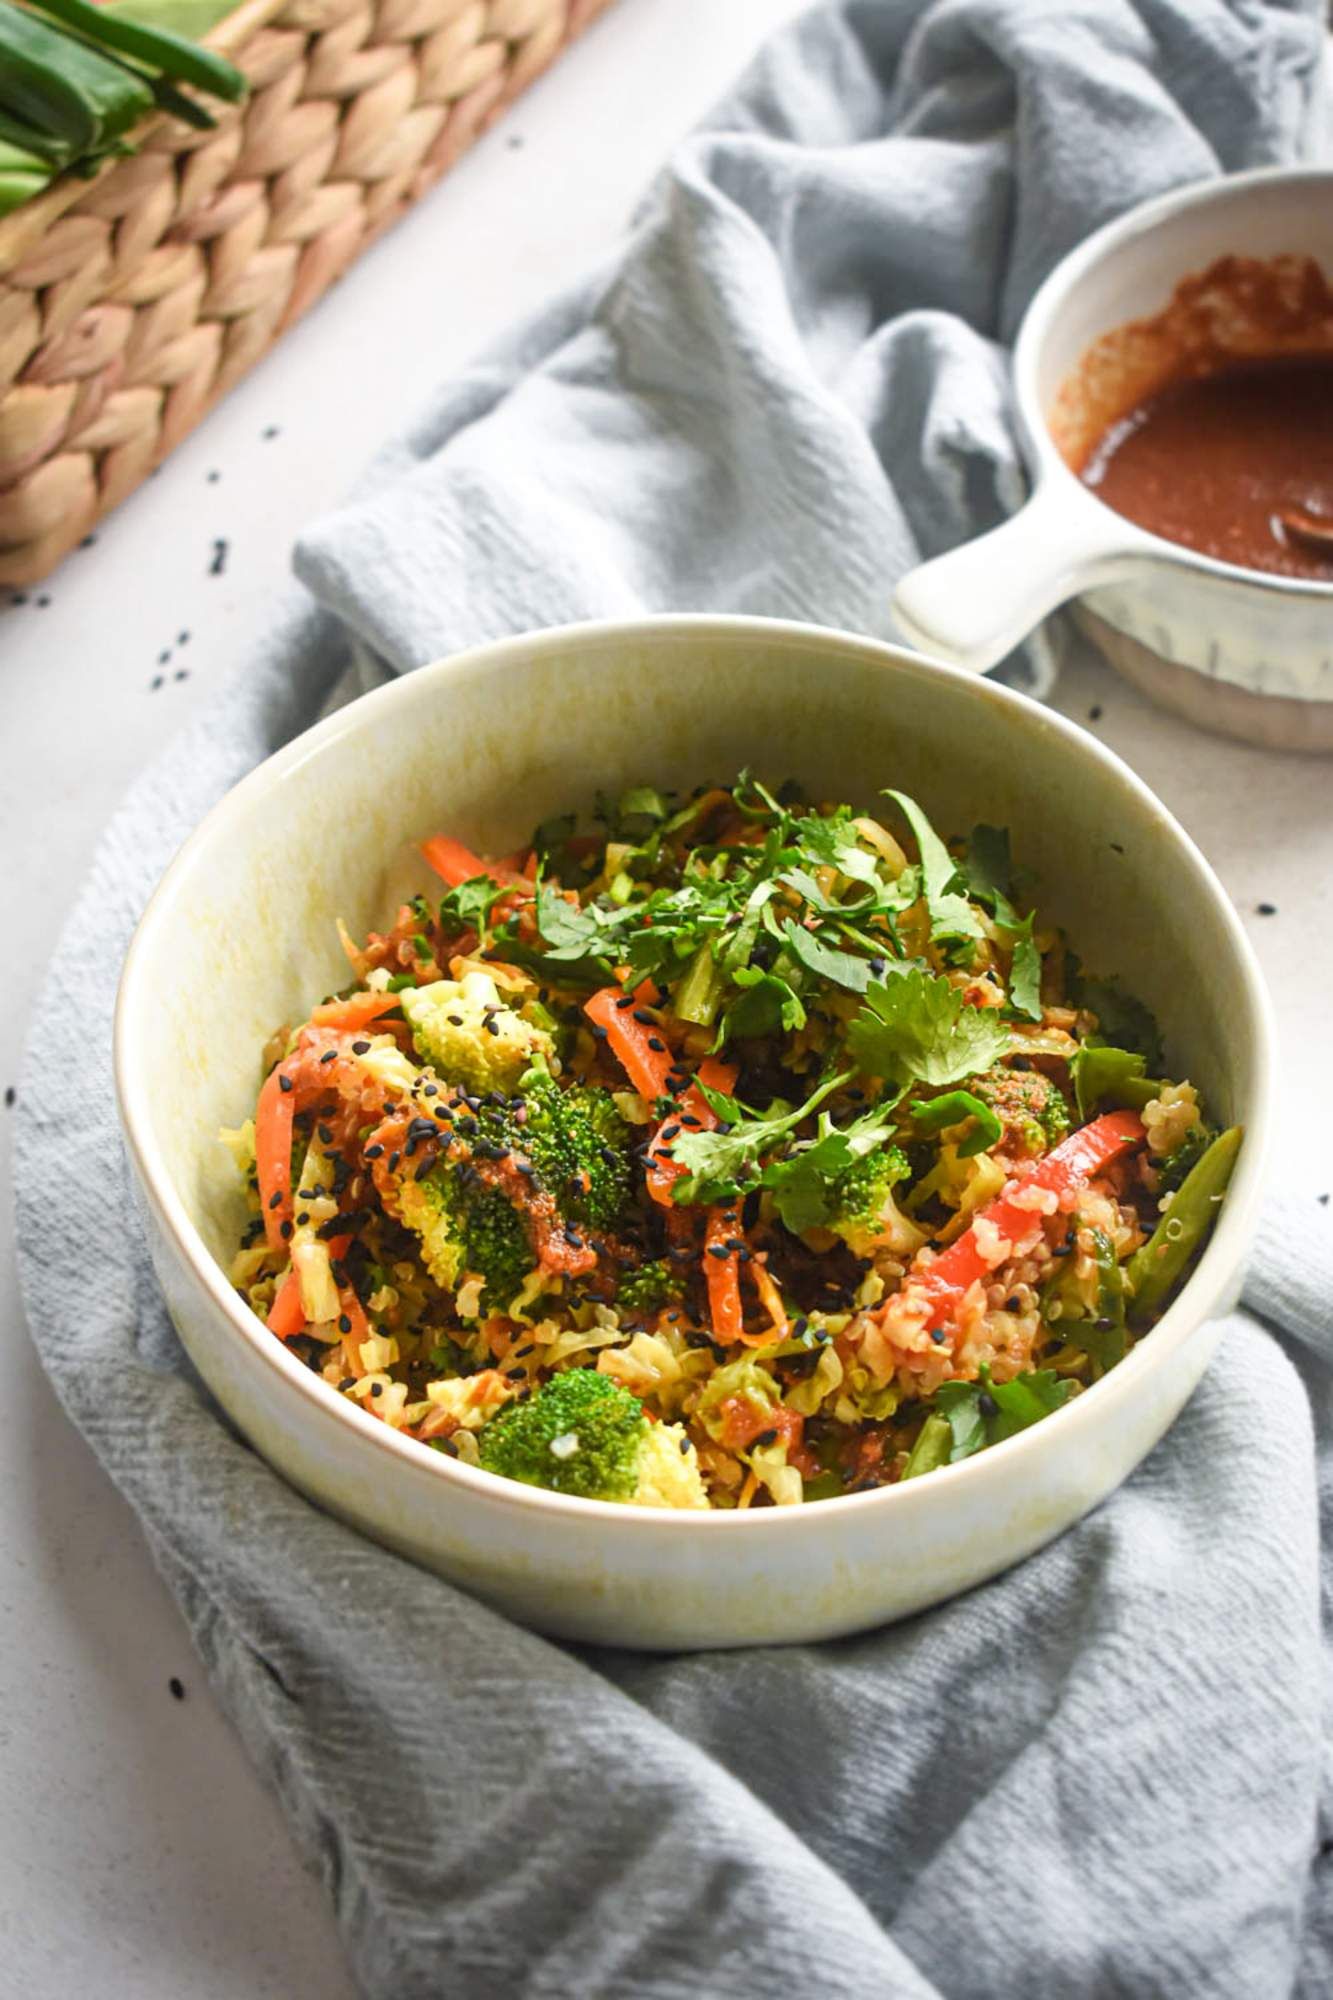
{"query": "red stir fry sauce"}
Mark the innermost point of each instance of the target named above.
(1237, 464)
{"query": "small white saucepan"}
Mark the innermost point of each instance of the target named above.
(1236, 649)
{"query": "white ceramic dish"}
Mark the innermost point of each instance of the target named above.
(1263, 645)
(240, 935)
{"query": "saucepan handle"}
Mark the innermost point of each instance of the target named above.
(974, 605)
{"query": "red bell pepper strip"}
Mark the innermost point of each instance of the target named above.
(1067, 1166)
(274, 1116)
(723, 1274)
(356, 1012)
(455, 863)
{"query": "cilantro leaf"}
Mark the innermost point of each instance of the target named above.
(1025, 972)
(951, 915)
(804, 1183)
(984, 1412)
(936, 1114)
(917, 1028)
(841, 968)
(469, 905)
(989, 867)
(767, 1003)
(831, 842)
(718, 1162)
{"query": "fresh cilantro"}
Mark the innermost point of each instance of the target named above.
(840, 968)
(804, 1184)
(766, 1004)
(936, 1114)
(984, 1412)
(951, 915)
(989, 869)
(917, 1028)
(718, 1163)
(469, 906)
(1025, 973)
(831, 842)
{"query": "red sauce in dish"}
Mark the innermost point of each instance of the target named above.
(1237, 464)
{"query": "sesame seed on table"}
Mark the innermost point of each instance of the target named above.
(112, 1882)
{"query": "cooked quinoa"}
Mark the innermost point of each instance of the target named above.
(730, 1151)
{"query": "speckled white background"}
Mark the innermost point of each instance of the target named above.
(139, 1858)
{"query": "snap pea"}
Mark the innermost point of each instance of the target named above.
(1153, 1270)
(932, 1448)
(157, 47)
(63, 88)
(23, 174)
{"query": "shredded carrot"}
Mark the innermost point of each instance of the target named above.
(646, 1068)
(748, 1491)
(663, 1171)
(454, 863)
(723, 1275)
(286, 1316)
(275, 1113)
(358, 1011)
(771, 1300)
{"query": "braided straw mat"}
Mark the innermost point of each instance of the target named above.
(130, 303)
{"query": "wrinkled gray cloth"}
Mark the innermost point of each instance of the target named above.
(1100, 1775)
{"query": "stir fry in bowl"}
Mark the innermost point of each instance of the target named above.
(737, 1151)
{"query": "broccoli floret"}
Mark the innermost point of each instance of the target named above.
(579, 1144)
(1028, 1105)
(466, 1227)
(464, 1029)
(1176, 1165)
(865, 1214)
(582, 1433)
(651, 1286)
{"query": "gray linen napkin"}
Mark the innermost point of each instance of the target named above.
(1100, 1775)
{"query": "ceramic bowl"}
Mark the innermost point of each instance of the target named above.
(1232, 648)
(240, 936)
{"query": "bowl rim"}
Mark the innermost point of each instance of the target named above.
(1053, 293)
(132, 1044)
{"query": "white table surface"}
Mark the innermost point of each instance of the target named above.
(139, 1857)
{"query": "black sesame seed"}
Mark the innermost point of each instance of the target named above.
(377, 1388)
(275, 1199)
(1095, 712)
(642, 1014)
(987, 1405)
(360, 1048)
(348, 1382)
(599, 1032)
(684, 1446)
(177, 1687)
(329, 1055)
(937, 1335)
(515, 1374)
(492, 1026)
(454, 1020)
(625, 1000)
(303, 1217)
(766, 1438)
(182, 638)
(716, 1250)
(427, 1089)
(1265, 909)
(1116, 848)
(285, 1231)
(657, 1045)
(344, 1323)
(394, 1159)
(285, 1083)
(374, 1152)
(325, 1134)
(1323, 1201)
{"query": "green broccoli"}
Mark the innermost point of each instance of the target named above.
(1028, 1105)
(464, 1029)
(466, 1228)
(865, 1213)
(1173, 1169)
(582, 1433)
(579, 1144)
(651, 1286)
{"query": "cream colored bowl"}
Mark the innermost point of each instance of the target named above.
(240, 936)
